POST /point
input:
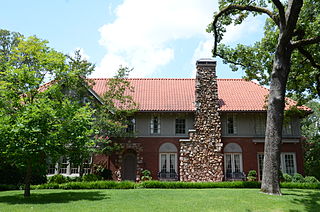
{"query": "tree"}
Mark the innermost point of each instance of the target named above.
(291, 31)
(39, 120)
(311, 130)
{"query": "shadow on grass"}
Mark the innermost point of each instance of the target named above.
(54, 197)
(310, 199)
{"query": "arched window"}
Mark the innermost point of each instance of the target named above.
(168, 161)
(233, 161)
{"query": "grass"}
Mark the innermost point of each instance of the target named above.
(292, 200)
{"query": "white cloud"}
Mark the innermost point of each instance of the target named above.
(142, 30)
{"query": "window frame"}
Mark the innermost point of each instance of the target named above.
(152, 124)
(180, 126)
(234, 124)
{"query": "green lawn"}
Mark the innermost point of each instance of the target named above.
(160, 200)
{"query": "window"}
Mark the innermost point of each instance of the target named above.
(131, 125)
(155, 125)
(180, 126)
(231, 124)
(168, 162)
(287, 163)
(233, 163)
(260, 124)
(232, 160)
(63, 166)
(87, 165)
(287, 128)
(260, 165)
(52, 168)
(74, 169)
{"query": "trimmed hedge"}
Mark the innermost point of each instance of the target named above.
(88, 185)
(199, 185)
(161, 185)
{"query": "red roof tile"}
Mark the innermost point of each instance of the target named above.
(163, 94)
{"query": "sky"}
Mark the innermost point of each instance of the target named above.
(157, 38)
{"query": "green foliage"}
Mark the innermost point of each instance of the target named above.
(310, 129)
(58, 178)
(252, 175)
(146, 175)
(105, 173)
(295, 185)
(257, 59)
(287, 178)
(298, 178)
(91, 178)
(311, 179)
(198, 185)
(89, 185)
(38, 120)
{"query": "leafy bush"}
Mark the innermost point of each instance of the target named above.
(91, 178)
(146, 175)
(300, 185)
(58, 178)
(199, 185)
(8, 187)
(311, 179)
(105, 173)
(252, 175)
(287, 178)
(297, 178)
(46, 186)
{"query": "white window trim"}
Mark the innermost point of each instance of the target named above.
(232, 160)
(282, 158)
(175, 126)
(235, 124)
(175, 158)
(152, 124)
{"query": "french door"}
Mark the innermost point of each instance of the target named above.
(168, 162)
(232, 163)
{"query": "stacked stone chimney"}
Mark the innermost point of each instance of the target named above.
(200, 155)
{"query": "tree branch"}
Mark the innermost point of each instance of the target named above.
(232, 7)
(304, 42)
(314, 64)
(280, 7)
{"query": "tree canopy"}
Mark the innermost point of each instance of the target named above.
(286, 59)
(257, 59)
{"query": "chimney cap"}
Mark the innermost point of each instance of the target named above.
(206, 62)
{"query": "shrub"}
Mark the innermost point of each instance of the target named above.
(58, 178)
(297, 178)
(252, 175)
(311, 179)
(99, 185)
(300, 185)
(8, 187)
(287, 178)
(91, 178)
(146, 175)
(105, 173)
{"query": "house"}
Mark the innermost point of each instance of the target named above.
(202, 129)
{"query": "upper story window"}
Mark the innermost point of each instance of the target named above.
(231, 124)
(180, 126)
(131, 125)
(287, 127)
(155, 125)
(260, 124)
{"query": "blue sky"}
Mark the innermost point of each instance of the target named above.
(158, 38)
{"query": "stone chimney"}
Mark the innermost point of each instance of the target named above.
(200, 155)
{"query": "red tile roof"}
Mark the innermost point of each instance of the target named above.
(163, 94)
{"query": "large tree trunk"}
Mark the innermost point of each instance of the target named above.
(275, 113)
(27, 180)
